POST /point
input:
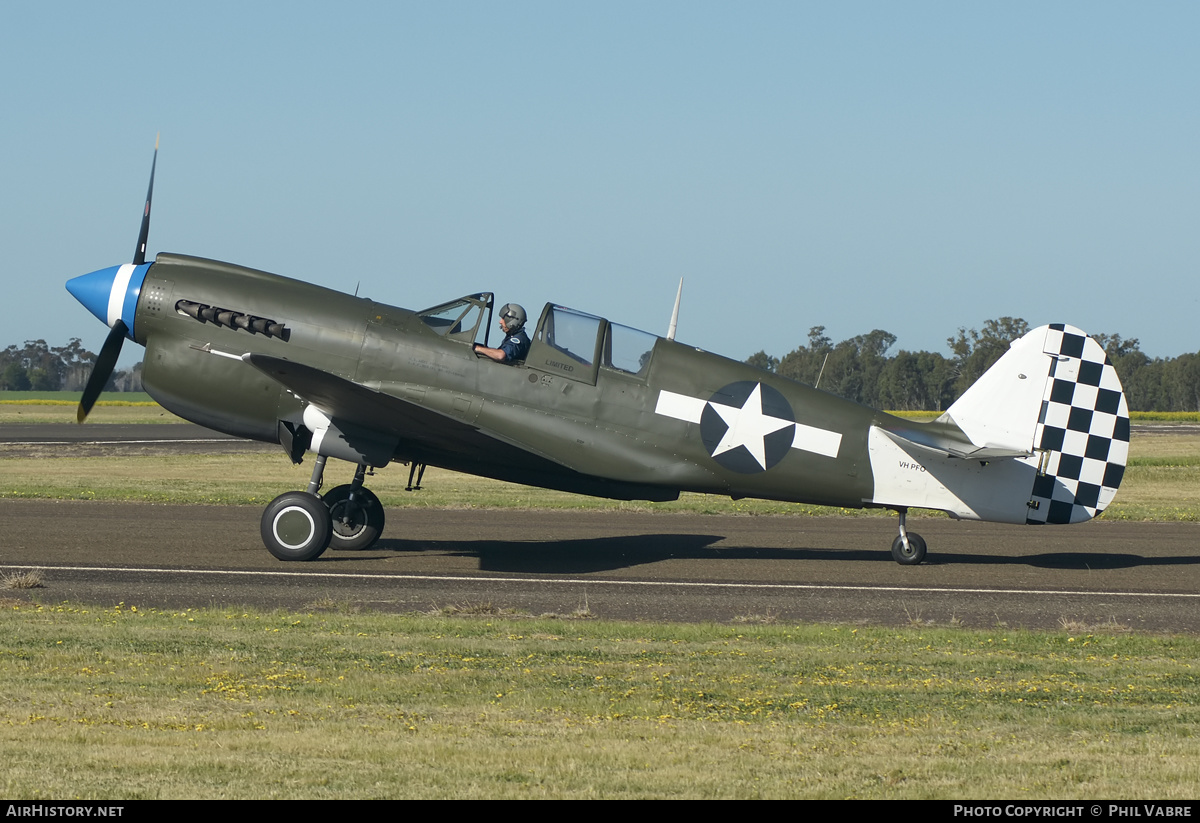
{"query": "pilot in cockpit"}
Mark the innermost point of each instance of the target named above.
(516, 342)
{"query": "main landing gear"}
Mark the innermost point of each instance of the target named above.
(301, 525)
(909, 548)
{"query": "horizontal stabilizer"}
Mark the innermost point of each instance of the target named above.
(943, 437)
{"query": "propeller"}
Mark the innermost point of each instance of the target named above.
(106, 361)
(103, 369)
(139, 254)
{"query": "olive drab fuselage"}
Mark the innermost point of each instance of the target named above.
(574, 426)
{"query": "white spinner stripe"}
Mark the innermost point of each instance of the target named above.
(116, 297)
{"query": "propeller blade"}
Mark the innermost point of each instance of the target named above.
(105, 363)
(139, 255)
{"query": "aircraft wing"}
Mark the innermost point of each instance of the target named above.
(428, 436)
(352, 402)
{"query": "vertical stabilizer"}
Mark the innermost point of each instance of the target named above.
(1000, 410)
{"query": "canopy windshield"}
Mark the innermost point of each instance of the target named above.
(459, 319)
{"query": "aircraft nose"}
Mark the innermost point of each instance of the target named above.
(93, 290)
(110, 294)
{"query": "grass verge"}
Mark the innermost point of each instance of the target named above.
(1162, 481)
(121, 407)
(126, 703)
(1157, 487)
(256, 479)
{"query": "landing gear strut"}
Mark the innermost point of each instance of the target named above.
(357, 514)
(301, 525)
(909, 548)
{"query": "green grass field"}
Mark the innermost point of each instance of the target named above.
(72, 397)
(1161, 483)
(117, 703)
(1168, 490)
(59, 407)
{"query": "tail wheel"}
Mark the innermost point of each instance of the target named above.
(358, 524)
(296, 526)
(912, 554)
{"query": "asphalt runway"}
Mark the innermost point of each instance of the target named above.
(1142, 576)
(621, 565)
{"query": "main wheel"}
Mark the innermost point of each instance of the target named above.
(355, 526)
(911, 556)
(296, 526)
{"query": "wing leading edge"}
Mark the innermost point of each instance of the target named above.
(429, 436)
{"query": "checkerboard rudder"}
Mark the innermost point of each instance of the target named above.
(1082, 436)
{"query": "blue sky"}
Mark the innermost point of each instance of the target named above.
(914, 167)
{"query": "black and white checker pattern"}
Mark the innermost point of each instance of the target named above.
(1084, 428)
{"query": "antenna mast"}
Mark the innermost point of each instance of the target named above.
(675, 312)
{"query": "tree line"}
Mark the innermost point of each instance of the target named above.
(36, 366)
(861, 369)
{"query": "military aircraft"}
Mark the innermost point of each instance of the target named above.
(595, 408)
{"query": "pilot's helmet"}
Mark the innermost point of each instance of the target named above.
(514, 317)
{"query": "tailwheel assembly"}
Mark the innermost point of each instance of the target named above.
(909, 548)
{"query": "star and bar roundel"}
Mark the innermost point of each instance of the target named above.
(747, 426)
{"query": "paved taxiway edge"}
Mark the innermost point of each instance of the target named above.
(620, 565)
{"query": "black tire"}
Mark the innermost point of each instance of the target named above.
(354, 527)
(915, 552)
(296, 526)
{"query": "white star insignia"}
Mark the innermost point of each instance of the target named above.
(748, 426)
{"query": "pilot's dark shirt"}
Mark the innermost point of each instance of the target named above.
(515, 346)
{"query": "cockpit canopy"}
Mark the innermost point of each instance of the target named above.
(566, 342)
(460, 319)
(584, 340)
